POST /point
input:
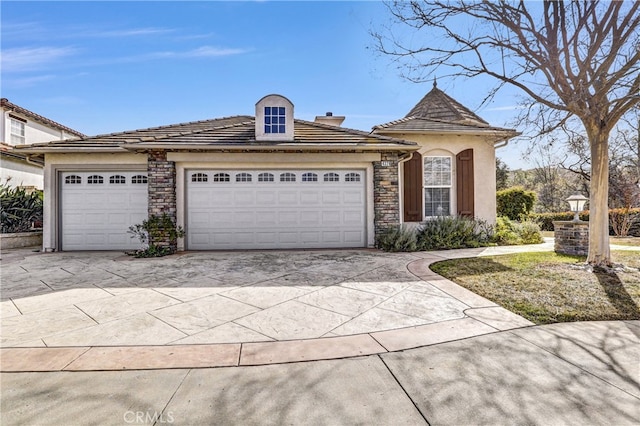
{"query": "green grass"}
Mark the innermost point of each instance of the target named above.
(547, 287)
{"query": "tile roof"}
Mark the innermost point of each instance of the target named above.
(438, 112)
(4, 103)
(437, 105)
(228, 132)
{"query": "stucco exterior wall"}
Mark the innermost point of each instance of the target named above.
(484, 157)
(20, 173)
(56, 163)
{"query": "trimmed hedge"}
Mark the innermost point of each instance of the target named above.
(515, 202)
(545, 220)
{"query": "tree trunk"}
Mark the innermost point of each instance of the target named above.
(599, 253)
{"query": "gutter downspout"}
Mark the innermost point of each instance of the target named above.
(33, 163)
(402, 160)
(501, 144)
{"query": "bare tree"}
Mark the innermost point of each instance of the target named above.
(571, 59)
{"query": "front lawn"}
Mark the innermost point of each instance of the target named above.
(547, 287)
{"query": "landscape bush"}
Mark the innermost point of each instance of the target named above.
(508, 232)
(452, 232)
(398, 238)
(515, 203)
(20, 210)
(545, 220)
(441, 233)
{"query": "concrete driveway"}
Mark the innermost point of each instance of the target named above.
(87, 299)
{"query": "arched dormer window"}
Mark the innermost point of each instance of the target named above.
(274, 119)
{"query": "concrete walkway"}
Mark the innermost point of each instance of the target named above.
(408, 346)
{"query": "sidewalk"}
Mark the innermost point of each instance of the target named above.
(572, 373)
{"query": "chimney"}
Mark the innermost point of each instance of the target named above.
(330, 119)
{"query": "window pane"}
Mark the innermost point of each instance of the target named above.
(281, 110)
(437, 202)
(267, 110)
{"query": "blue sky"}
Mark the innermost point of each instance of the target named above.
(102, 67)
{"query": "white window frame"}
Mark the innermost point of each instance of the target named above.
(446, 184)
(18, 131)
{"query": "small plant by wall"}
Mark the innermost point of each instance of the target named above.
(158, 233)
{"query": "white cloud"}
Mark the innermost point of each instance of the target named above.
(33, 58)
(200, 52)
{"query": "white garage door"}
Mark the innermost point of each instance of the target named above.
(262, 209)
(99, 207)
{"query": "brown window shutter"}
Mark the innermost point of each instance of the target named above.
(464, 181)
(413, 189)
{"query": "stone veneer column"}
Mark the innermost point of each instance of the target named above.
(571, 238)
(162, 190)
(386, 193)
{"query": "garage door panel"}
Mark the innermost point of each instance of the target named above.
(265, 213)
(97, 216)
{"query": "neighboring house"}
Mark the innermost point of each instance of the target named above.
(19, 126)
(269, 181)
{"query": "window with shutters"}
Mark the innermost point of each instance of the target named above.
(437, 186)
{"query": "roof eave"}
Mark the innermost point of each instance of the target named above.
(275, 147)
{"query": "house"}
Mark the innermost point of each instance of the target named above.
(270, 180)
(19, 126)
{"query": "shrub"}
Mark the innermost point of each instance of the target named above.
(152, 232)
(508, 232)
(515, 203)
(396, 239)
(19, 210)
(545, 220)
(452, 232)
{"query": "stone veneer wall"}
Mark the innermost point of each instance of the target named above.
(571, 238)
(386, 193)
(162, 189)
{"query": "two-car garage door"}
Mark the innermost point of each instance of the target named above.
(260, 209)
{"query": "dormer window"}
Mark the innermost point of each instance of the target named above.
(274, 119)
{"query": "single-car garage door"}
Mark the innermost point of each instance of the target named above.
(262, 209)
(97, 209)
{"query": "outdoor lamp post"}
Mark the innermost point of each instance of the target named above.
(577, 202)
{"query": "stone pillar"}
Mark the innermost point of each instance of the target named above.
(162, 191)
(571, 238)
(386, 193)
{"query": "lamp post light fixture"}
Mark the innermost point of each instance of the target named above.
(577, 202)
